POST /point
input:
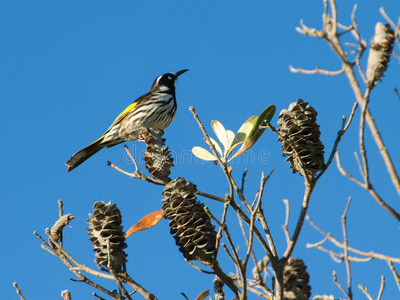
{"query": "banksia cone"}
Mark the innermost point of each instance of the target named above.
(379, 53)
(260, 268)
(299, 130)
(105, 231)
(157, 157)
(295, 280)
(190, 225)
(59, 225)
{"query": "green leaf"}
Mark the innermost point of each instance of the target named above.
(243, 131)
(203, 153)
(220, 132)
(256, 131)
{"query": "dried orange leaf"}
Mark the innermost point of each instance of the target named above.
(147, 222)
(203, 295)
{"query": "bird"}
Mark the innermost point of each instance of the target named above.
(155, 109)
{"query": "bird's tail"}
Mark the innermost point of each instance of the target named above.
(82, 155)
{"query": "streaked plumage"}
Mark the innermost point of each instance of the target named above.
(156, 110)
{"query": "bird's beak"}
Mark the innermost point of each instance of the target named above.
(179, 73)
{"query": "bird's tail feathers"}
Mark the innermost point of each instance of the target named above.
(82, 155)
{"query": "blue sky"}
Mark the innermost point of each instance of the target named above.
(68, 68)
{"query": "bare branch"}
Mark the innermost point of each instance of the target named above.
(335, 280)
(261, 216)
(306, 199)
(382, 288)
(197, 268)
(317, 70)
(397, 92)
(369, 188)
(66, 295)
(395, 274)
(18, 290)
(365, 167)
(365, 291)
(340, 133)
(287, 215)
(344, 172)
(370, 254)
(346, 250)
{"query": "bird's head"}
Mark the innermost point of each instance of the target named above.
(166, 82)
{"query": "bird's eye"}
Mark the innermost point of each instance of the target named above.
(170, 77)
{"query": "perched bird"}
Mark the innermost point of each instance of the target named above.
(156, 110)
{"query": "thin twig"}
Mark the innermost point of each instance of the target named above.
(340, 133)
(66, 295)
(98, 297)
(139, 175)
(346, 250)
(304, 207)
(344, 172)
(383, 13)
(261, 215)
(382, 288)
(131, 157)
(365, 291)
(365, 167)
(335, 280)
(395, 274)
(369, 188)
(370, 254)
(198, 268)
(316, 71)
(285, 227)
(18, 290)
(397, 92)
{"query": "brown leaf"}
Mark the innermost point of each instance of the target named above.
(203, 295)
(147, 222)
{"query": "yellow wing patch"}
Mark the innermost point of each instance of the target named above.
(122, 115)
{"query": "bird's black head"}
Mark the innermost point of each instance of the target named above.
(166, 82)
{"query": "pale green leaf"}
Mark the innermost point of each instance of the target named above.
(231, 137)
(220, 132)
(216, 145)
(256, 131)
(203, 153)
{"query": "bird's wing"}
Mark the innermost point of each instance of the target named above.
(125, 112)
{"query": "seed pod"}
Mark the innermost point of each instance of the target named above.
(190, 225)
(295, 280)
(379, 53)
(157, 157)
(59, 225)
(299, 131)
(107, 237)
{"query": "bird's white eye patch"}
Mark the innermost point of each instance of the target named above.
(170, 77)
